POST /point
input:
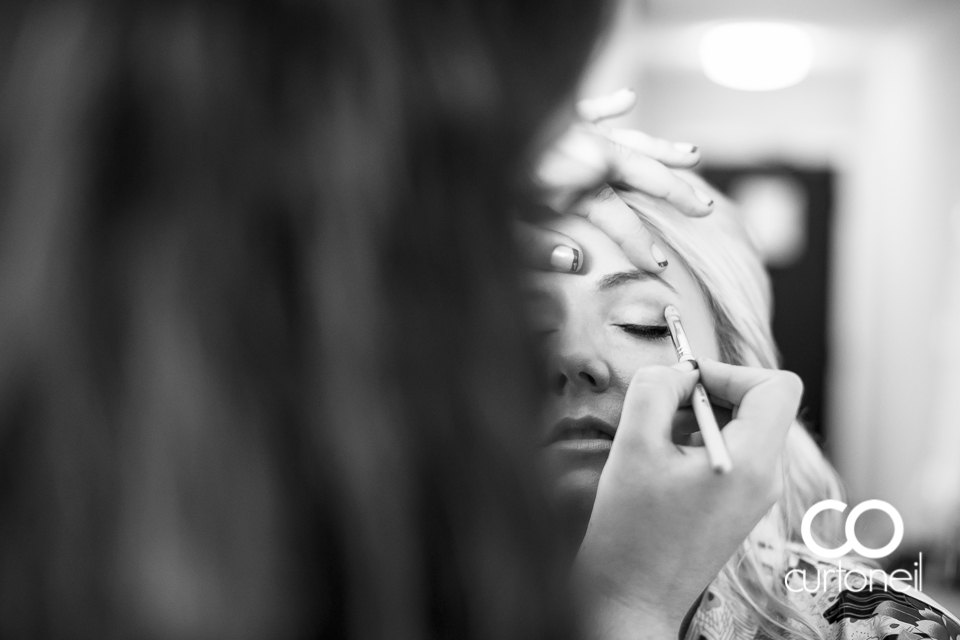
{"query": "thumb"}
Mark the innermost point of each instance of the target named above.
(612, 105)
(652, 399)
(766, 399)
(617, 220)
(547, 249)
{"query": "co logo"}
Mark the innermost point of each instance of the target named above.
(852, 542)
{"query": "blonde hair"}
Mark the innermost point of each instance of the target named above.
(718, 253)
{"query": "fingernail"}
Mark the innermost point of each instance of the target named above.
(704, 198)
(565, 258)
(685, 147)
(686, 366)
(658, 256)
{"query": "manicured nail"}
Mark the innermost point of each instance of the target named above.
(658, 256)
(702, 197)
(686, 365)
(685, 147)
(565, 258)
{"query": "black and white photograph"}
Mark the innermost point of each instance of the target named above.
(480, 319)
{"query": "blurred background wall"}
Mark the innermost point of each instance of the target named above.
(878, 118)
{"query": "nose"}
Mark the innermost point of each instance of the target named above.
(578, 365)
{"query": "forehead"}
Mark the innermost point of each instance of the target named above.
(602, 255)
(605, 265)
(603, 258)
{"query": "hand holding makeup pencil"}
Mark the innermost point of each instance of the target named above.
(664, 523)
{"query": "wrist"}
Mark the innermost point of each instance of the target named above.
(630, 591)
(612, 619)
(624, 610)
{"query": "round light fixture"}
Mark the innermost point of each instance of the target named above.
(756, 56)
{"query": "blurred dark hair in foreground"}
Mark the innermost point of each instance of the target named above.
(261, 373)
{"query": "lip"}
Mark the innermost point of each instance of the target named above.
(586, 432)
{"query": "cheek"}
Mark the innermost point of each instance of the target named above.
(628, 358)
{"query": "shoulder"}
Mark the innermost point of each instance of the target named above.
(850, 600)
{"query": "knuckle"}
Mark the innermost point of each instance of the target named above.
(655, 388)
(605, 194)
(679, 190)
(670, 192)
(654, 375)
(650, 396)
(622, 150)
(647, 392)
(792, 383)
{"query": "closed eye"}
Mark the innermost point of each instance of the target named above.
(647, 332)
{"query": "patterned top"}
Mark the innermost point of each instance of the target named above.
(852, 603)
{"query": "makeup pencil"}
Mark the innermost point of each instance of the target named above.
(712, 440)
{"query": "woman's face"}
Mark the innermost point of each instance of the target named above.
(597, 328)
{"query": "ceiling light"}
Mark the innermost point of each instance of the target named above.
(756, 56)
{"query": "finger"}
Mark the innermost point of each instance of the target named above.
(652, 177)
(766, 399)
(608, 212)
(732, 383)
(547, 249)
(684, 423)
(613, 105)
(652, 399)
(578, 162)
(720, 402)
(681, 155)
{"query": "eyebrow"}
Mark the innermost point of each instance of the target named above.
(620, 278)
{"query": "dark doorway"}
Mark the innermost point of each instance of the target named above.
(799, 280)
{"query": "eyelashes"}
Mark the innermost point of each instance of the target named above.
(647, 331)
(652, 332)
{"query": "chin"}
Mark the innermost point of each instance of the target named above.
(572, 480)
